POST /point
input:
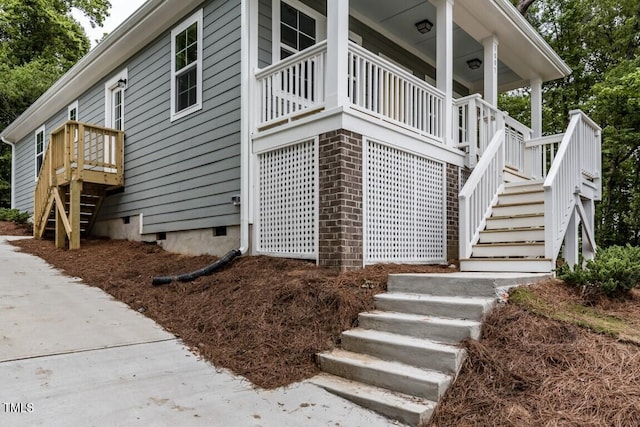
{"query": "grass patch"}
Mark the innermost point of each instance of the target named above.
(574, 312)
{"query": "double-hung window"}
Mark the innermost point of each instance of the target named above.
(186, 67)
(39, 138)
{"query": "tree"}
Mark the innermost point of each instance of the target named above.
(39, 41)
(599, 40)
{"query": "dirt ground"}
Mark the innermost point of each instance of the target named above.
(263, 318)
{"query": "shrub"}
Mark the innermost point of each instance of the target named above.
(14, 215)
(614, 270)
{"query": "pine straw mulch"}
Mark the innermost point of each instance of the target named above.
(263, 318)
(529, 370)
(12, 229)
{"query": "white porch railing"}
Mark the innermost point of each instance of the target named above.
(292, 86)
(576, 160)
(390, 93)
(516, 137)
(540, 154)
(477, 123)
(480, 192)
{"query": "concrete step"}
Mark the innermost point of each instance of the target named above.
(417, 352)
(506, 235)
(521, 197)
(522, 265)
(514, 209)
(471, 308)
(382, 373)
(512, 221)
(408, 409)
(526, 250)
(450, 331)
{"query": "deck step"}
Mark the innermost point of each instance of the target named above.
(515, 209)
(520, 265)
(506, 235)
(519, 186)
(451, 307)
(449, 331)
(513, 249)
(407, 409)
(417, 352)
(515, 221)
(527, 196)
(393, 376)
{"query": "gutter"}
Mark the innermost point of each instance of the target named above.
(245, 123)
(13, 171)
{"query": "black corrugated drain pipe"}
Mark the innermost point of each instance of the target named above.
(188, 277)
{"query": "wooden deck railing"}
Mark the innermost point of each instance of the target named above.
(77, 152)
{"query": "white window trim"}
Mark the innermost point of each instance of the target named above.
(321, 24)
(41, 129)
(196, 17)
(111, 84)
(73, 106)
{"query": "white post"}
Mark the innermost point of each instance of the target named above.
(337, 53)
(571, 240)
(536, 107)
(491, 70)
(444, 62)
(588, 251)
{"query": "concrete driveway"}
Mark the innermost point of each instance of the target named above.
(70, 355)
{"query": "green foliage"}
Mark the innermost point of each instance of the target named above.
(599, 41)
(615, 270)
(14, 215)
(39, 41)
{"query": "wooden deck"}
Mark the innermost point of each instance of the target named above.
(80, 160)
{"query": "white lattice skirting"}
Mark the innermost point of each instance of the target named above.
(288, 205)
(405, 206)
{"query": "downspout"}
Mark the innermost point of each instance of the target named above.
(13, 171)
(245, 153)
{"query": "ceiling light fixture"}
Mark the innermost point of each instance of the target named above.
(474, 63)
(424, 26)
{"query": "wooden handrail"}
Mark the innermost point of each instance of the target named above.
(77, 152)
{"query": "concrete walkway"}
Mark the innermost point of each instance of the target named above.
(71, 355)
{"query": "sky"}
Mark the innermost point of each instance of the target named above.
(120, 10)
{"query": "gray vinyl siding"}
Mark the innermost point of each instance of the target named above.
(181, 175)
(265, 35)
(25, 184)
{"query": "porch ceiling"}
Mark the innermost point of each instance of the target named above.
(523, 54)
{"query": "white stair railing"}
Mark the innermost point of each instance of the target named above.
(481, 192)
(576, 161)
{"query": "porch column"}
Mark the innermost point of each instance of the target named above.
(536, 107)
(491, 70)
(444, 62)
(337, 53)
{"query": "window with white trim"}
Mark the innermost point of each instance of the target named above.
(295, 28)
(39, 139)
(186, 67)
(72, 111)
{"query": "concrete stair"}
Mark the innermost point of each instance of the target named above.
(513, 239)
(406, 353)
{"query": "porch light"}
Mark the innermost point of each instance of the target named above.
(122, 83)
(474, 63)
(424, 26)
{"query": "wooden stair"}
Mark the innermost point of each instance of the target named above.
(81, 165)
(514, 236)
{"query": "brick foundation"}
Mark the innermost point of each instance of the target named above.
(453, 209)
(340, 210)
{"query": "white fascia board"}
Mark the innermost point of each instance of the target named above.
(147, 23)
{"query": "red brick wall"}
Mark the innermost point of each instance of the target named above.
(453, 209)
(340, 187)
